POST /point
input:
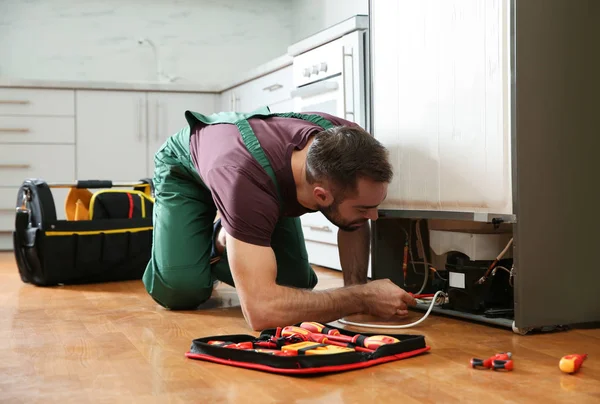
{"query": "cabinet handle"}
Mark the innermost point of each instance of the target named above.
(14, 102)
(321, 228)
(233, 102)
(273, 87)
(14, 130)
(9, 166)
(157, 118)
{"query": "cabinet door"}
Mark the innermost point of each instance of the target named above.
(226, 101)
(283, 106)
(166, 116)
(111, 135)
(441, 103)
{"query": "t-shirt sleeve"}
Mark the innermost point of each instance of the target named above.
(247, 203)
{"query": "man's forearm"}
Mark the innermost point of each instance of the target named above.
(287, 306)
(354, 254)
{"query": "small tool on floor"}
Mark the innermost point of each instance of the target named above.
(571, 363)
(500, 361)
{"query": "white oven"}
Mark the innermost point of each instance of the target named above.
(331, 78)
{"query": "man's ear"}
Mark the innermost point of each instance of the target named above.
(323, 196)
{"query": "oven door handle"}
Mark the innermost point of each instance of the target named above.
(315, 89)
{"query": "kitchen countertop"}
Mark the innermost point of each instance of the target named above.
(189, 87)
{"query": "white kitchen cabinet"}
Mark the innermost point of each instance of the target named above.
(272, 89)
(227, 100)
(118, 132)
(111, 135)
(166, 116)
(37, 140)
(286, 105)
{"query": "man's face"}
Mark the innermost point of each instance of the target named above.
(351, 213)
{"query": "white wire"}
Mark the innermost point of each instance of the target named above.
(366, 325)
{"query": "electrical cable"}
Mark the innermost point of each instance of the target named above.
(393, 327)
(426, 278)
(498, 258)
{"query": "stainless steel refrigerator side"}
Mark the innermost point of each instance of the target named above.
(556, 128)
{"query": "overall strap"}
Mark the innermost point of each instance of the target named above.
(255, 149)
(249, 137)
(316, 119)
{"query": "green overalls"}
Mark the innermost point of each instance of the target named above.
(179, 275)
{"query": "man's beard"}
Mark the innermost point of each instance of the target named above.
(332, 214)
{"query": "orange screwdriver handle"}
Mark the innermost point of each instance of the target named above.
(319, 328)
(233, 345)
(374, 341)
(571, 363)
(489, 362)
(500, 364)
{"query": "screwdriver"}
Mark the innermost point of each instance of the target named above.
(571, 363)
(372, 342)
(361, 341)
(489, 362)
(320, 338)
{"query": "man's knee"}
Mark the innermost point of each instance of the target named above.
(177, 289)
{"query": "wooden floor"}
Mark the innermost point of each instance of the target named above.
(111, 343)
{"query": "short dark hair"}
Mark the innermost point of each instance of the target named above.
(343, 154)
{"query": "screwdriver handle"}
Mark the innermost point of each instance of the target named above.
(501, 364)
(319, 328)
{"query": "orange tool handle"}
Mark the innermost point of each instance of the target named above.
(347, 345)
(319, 328)
(374, 341)
(233, 345)
(571, 363)
(324, 339)
(500, 364)
(291, 331)
(489, 362)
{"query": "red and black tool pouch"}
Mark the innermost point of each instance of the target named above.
(409, 346)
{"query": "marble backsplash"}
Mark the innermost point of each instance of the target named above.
(199, 41)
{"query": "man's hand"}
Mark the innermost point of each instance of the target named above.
(386, 300)
(266, 304)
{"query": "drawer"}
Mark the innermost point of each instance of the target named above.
(266, 90)
(25, 101)
(274, 87)
(53, 163)
(37, 129)
(316, 227)
(324, 255)
(8, 204)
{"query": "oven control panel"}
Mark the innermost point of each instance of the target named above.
(319, 63)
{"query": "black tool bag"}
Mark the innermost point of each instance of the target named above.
(111, 242)
(220, 349)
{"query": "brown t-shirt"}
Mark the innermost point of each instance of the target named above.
(241, 189)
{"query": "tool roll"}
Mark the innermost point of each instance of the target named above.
(295, 351)
(106, 236)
